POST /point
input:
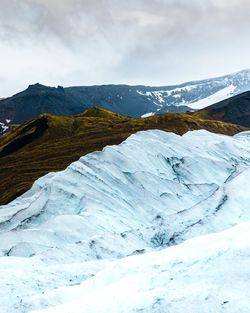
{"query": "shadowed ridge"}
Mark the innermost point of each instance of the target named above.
(50, 143)
(234, 110)
(28, 134)
(226, 102)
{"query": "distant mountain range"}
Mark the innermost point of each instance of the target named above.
(134, 101)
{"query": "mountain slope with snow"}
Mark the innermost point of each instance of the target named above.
(135, 101)
(154, 191)
(195, 95)
(4, 127)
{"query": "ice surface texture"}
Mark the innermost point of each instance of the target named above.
(109, 221)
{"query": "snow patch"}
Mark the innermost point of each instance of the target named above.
(147, 114)
(216, 97)
(4, 127)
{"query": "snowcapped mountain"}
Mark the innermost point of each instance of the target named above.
(134, 101)
(131, 226)
(197, 94)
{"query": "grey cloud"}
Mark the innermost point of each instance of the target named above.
(140, 41)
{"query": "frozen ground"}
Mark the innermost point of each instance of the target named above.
(115, 231)
(207, 274)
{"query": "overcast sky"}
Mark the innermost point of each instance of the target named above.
(152, 42)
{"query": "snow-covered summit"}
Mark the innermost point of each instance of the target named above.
(197, 94)
(153, 191)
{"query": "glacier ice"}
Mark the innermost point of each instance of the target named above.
(205, 274)
(75, 230)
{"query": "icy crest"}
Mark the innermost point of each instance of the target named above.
(153, 191)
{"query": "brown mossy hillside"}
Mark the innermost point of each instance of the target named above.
(99, 112)
(50, 143)
(208, 115)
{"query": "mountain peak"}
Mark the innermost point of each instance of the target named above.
(36, 86)
(96, 111)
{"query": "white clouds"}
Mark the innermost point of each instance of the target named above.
(52, 4)
(140, 41)
(228, 4)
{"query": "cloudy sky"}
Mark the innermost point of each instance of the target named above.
(156, 42)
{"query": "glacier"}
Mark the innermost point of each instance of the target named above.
(206, 274)
(155, 224)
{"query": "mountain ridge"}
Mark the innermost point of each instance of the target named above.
(134, 101)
